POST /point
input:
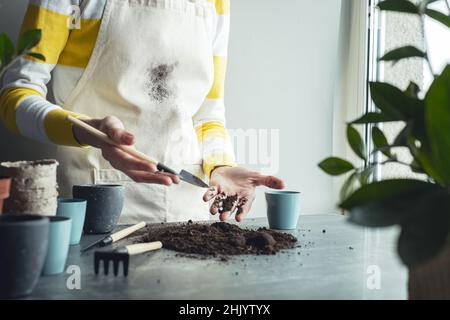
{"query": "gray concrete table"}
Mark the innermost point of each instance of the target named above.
(333, 260)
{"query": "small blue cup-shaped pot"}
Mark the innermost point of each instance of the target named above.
(76, 210)
(283, 209)
(58, 245)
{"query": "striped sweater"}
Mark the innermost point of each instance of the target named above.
(26, 108)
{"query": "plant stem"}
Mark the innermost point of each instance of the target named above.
(391, 161)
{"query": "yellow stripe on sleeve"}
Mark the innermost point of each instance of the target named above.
(59, 130)
(54, 28)
(80, 44)
(222, 6)
(211, 130)
(218, 87)
(9, 101)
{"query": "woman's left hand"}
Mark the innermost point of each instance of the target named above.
(227, 182)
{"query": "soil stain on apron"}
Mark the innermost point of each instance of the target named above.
(158, 85)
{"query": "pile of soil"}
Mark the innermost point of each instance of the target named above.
(219, 238)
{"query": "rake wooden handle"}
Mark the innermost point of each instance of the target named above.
(134, 249)
(104, 137)
(127, 231)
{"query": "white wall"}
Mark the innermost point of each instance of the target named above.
(281, 75)
(438, 39)
(282, 71)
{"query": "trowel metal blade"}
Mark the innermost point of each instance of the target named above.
(190, 178)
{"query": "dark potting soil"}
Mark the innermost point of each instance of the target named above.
(219, 239)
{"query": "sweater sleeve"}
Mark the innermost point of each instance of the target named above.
(24, 108)
(209, 121)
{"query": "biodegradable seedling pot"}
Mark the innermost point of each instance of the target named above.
(23, 249)
(34, 189)
(104, 206)
(5, 184)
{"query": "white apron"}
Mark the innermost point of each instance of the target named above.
(152, 67)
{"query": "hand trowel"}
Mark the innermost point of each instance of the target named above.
(183, 175)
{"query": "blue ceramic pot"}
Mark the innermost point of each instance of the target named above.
(58, 245)
(104, 206)
(283, 209)
(76, 210)
(23, 248)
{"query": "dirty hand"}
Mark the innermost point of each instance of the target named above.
(136, 169)
(234, 189)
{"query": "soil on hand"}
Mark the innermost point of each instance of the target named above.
(219, 238)
(225, 203)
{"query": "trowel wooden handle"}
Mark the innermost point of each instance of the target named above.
(134, 249)
(127, 231)
(104, 137)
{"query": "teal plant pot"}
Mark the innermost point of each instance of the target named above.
(283, 209)
(58, 245)
(76, 210)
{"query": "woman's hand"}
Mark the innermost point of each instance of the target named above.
(234, 189)
(136, 169)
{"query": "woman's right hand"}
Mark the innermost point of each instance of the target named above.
(137, 169)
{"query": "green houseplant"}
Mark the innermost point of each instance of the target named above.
(420, 207)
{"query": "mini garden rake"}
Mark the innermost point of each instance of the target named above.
(122, 255)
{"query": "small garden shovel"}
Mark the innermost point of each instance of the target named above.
(184, 175)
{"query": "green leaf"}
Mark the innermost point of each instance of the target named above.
(28, 40)
(395, 103)
(424, 234)
(380, 141)
(403, 53)
(355, 181)
(336, 166)
(413, 90)
(385, 190)
(35, 55)
(398, 6)
(385, 149)
(378, 137)
(399, 209)
(365, 175)
(423, 156)
(374, 117)
(401, 140)
(350, 185)
(356, 142)
(438, 123)
(416, 167)
(438, 16)
(6, 50)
